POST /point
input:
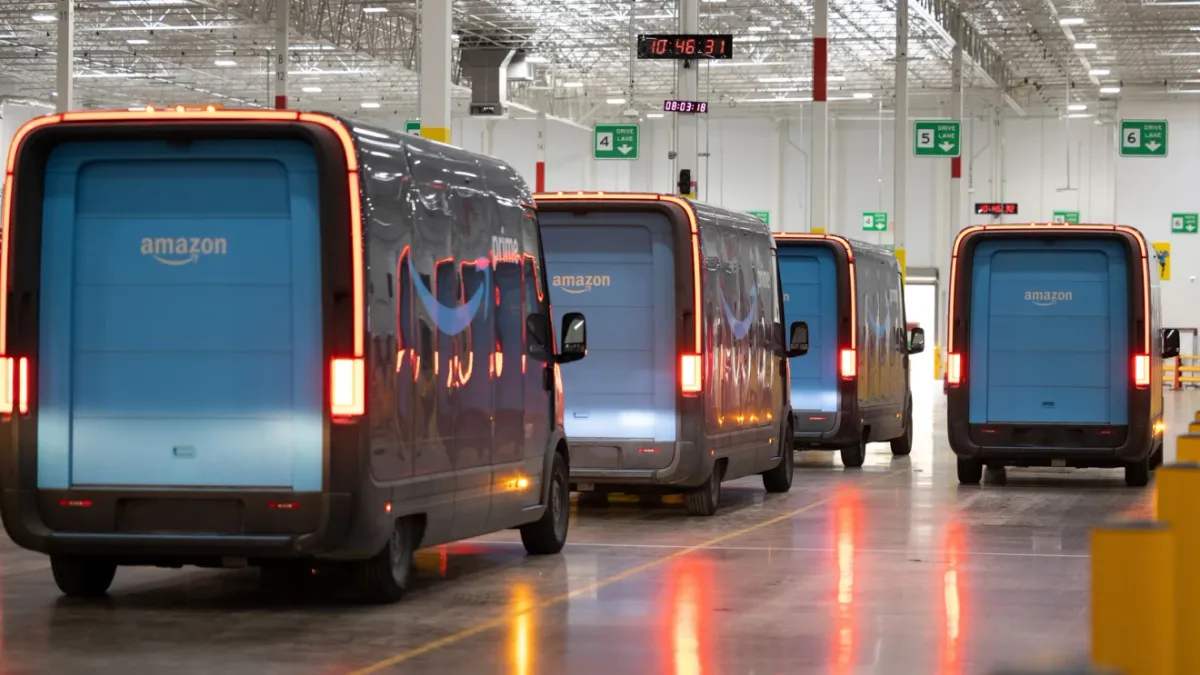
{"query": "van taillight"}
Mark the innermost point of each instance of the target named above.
(347, 388)
(954, 369)
(848, 364)
(689, 374)
(15, 394)
(1141, 370)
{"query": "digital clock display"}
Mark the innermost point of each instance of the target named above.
(673, 46)
(671, 105)
(995, 209)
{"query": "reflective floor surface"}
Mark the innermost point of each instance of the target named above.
(892, 569)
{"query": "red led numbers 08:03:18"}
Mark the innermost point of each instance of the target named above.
(673, 105)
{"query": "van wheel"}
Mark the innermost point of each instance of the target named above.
(82, 576)
(970, 471)
(853, 456)
(384, 577)
(1137, 474)
(703, 501)
(903, 446)
(547, 535)
(779, 478)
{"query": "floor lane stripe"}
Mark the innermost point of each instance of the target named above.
(801, 549)
(594, 586)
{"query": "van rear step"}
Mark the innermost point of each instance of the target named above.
(1048, 435)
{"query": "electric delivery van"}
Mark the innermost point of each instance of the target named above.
(853, 387)
(274, 339)
(685, 384)
(1054, 349)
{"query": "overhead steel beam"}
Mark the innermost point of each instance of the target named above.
(940, 15)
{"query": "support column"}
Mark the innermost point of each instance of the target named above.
(65, 87)
(957, 216)
(902, 148)
(282, 10)
(687, 126)
(819, 177)
(436, 27)
(540, 183)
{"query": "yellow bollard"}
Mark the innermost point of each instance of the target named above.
(1133, 600)
(1194, 427)
(1179, 507)
(1187, 448)
(1197, 416)
(937, 362)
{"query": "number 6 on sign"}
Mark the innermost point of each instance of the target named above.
(1133, 138)
(604, 141)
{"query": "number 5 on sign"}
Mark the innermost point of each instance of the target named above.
(604, 141)
(925, 138)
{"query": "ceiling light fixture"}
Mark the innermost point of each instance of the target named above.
(534, 58)
(137, 42)
(370, 104)
(1071, 21)
(1084, 46)
(572, 85)
(1077, 106)
(224, 63)
(1099, 72)
(374, 10)
(311, 90)
(616, 101)
(657, 115)
(1110, 90)
(760, 29)
(44, 18)
(863, 95)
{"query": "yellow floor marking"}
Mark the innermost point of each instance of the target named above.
(501, 620)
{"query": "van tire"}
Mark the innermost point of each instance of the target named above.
(384, 577)
(970, 471)
(82, 576)
(547, 535)
(778, 479)
(902, 446)
(704, 500)
(1137, 474)
(854, 455)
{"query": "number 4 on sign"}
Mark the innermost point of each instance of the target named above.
(604, 141)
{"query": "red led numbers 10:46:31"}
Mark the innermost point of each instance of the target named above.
(676, 46)
(996, 209)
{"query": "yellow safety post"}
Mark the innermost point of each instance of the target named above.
(1133, 599)
(937, 362)
(1194, 427)
(1197, 416)
(1179, 508)
(1187, 448)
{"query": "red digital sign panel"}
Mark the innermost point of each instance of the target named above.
(996, 209)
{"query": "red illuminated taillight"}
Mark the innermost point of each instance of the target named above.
(689, 374)
(76, 503)
(15, 392)
(954, 369)
(560, 401)
(1141, 370)
(347, 388)
(848, 364)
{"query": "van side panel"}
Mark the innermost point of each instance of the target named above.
(181, 316)
(742, 386)
(882, 332)
(809, 277)
(1049, 335)
(618, 268)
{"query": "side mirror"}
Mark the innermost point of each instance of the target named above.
(916, 341)
(798, 342)
(537, 336)
(574, 338)
(1170, 340)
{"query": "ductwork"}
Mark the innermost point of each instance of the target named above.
(488, 70)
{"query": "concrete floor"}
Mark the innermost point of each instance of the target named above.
(890, 570)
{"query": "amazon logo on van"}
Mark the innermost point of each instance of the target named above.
(1048, 298)
(580, 283)
(182, 250)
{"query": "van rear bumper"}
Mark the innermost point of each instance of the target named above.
(1047, 444)
(179, 527)
(613, 463)
(839, 430)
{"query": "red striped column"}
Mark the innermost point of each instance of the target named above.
(540, 182)
(281, 53)
(819, 213)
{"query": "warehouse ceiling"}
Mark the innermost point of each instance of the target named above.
(360, 56)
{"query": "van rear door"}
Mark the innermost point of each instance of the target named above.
(181, 316)
(808, 272)
(1049, 332)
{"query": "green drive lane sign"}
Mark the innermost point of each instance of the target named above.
(1143, 138)
(1185, 223)
(874, 221)
(413, 127)
(1071, 217)
(615, 141)
(937, 138)
(764, 216)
